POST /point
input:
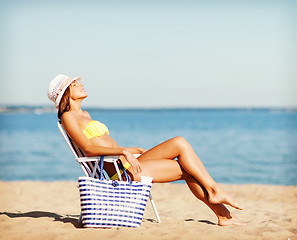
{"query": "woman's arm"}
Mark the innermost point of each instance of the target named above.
(73, 130)
(134, 150)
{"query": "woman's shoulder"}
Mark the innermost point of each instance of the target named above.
(71, 115)
(67, 118)
(71, 118)
(67, 115)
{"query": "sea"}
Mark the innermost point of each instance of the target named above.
(237, 146)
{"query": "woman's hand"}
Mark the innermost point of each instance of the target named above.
(135, 150)
(141, 150)
(133, 161)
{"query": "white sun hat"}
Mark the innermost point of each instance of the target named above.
(58, 86)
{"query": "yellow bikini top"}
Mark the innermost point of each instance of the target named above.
(95, 129)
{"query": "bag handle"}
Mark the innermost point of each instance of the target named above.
(101, 167)
(128, 179)
(119, 162)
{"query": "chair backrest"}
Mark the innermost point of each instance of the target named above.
(87, 167)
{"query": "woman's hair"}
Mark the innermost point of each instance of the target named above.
(64, 105)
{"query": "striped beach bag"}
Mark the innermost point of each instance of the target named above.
(110, 203)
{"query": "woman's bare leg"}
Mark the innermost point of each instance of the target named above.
(168, 170)
(179, 148)
(225, 217)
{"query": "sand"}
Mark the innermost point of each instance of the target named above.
(49, 210)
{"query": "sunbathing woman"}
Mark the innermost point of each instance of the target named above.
(159, 162)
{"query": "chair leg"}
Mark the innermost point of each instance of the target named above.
(155, 209)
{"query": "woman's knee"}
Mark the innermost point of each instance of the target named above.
(181, 142)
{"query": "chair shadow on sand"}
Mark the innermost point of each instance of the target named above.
(73, 219)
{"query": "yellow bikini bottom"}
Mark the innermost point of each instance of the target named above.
(115, 176)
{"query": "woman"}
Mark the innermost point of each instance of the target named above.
(93, 138)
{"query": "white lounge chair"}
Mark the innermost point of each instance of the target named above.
(90, 165)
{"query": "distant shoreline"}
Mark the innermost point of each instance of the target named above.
(50, 109)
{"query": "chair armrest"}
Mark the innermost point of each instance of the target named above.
(111, 158)
(92, 159)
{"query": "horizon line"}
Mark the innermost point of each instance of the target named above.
(47, 107)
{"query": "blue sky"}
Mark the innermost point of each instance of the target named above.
(152, 53)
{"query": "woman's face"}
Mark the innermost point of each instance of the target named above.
(77, 90)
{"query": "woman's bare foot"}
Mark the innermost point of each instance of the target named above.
(229, 221)
(218, 196)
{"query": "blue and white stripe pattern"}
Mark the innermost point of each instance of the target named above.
(109, 203)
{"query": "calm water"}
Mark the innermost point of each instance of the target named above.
(236, 146)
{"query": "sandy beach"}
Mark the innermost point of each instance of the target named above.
(49, 210)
